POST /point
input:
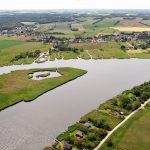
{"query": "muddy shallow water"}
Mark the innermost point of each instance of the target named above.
(33, 125)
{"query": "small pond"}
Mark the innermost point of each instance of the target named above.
(40, 75)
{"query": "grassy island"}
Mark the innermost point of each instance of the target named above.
(95, 125)
(17, 85)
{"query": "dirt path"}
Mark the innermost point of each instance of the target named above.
(120, 124)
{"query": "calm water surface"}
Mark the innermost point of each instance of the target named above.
(33, 125)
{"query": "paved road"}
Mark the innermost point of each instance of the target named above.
(120, 124)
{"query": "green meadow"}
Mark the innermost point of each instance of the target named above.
(10, 48)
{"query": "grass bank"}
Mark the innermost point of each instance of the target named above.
(17, 86)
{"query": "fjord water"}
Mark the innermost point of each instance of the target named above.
(34, 125)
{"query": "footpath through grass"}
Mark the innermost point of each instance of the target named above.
(133, 135)
(17, 86)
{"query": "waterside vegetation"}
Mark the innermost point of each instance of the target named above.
(95, 125)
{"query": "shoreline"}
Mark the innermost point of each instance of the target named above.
(118, 112)
(23, 100)
(76, 59)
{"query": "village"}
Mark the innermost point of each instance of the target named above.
(136, 39)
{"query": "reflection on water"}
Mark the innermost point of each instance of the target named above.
(33, 125)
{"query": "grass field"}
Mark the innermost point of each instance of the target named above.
(102, 50)
(10, 48)
(16, 86)
(131, 23)
(64, 55)
(60, 29)
(87, 27)
(106, 22)
(140, 53)
(133, 135)
(147, 22)
(69, 55)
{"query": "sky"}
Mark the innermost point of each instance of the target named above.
(74, 4)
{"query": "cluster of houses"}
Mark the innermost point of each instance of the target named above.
(79, 135)
(21, 29)
(123, 37)
(30, 30)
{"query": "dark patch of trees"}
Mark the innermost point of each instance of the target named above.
(34, 54)
(64, 47)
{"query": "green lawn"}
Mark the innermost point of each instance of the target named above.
(133, 135)
(16, 86)
(10, 48)
(9, 43)
(55, 55)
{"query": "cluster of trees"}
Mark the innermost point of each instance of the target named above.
(36, 17)
(34, 54)
(10, 25)
(142, 92)
(132, 99)
(65, 47)
(127, 101)
(123, 47)
(142, 46)
(56, 39)
(58, 33)
(91, 137)
(79, 39)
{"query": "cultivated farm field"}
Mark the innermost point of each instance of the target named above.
(132, 29)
